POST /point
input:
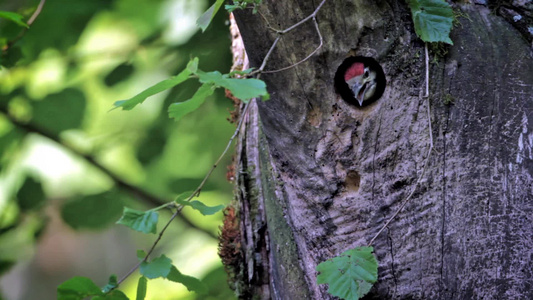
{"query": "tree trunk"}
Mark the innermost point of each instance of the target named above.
(317, 176)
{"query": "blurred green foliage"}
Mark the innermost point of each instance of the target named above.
(68, 164)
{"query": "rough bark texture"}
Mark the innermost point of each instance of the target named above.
(319, 176)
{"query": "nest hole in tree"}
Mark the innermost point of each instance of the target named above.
(360, 81)
(352, 182)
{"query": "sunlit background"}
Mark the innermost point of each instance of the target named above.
(57, 87)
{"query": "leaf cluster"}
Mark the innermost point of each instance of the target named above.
(78, 288)
(351, 274)
(242, 88)
(14, 17)
(63, 113)
(433, 20)
(243, 4)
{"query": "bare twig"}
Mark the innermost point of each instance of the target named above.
(427, 94)
(267, 56)
(174, 215)
(267, 23)
(36, 12)
(30, 21)
(427, 70)
(239, 125)
(313, 15)
(309, 56)
(132, 189)
(282, 32)
(237, 130)
(194, 194)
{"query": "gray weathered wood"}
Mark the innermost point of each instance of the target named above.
(325, 176)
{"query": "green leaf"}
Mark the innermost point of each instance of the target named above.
(243, 72)
(232, 7)
(351, 274)
(244, 89)
(159, 267)
(433, 20)
(191, 283)
(31, 194)
(205, 19)
(158, 87)
(93, 211)
(193, 65)
(180, 109)
(61, 111)
(141, 254)
(183, 196)
(111, 284)
(142, 286)
(13, 17)
(139, 220)
(202, 208)
(113, 295)
(77, 288)
(211, 77)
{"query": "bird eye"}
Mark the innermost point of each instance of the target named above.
(366, 74)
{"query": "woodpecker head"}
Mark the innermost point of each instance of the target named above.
(360, 80)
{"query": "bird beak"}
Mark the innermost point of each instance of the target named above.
(359, 91)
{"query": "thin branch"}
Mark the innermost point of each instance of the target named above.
(427, 70)
(34, 16)
(135, 190)
(313, 15)
(174, 215)
(430, 149)
(267, 56)
(237, 130)
(280, 33)
(196, 193)
(36, 13)
(309, 56)
(427, 94)
(267, 23)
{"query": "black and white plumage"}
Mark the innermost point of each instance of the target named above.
(360, 80)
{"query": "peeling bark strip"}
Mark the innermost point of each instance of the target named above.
(270, 266)
(329, 176)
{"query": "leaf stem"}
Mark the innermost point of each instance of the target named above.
(195, 193)
(235, 134)
(174, 215)
(237, 130)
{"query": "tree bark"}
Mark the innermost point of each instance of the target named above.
(317, 176)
